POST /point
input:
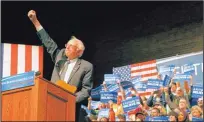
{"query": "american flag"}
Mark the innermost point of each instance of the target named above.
(146, 70)
(124, 72)
(19, 58)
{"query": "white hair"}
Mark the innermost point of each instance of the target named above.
(80, 44)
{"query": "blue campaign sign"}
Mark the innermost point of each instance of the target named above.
(195, 119)
(18, 81)
(130, 104)
(154, 83)
(106, 96)
(95, 93)
(138, 84)
(160, 118)
(111, 78)
(103, 113)
(167, 80)
(166, 70)
(197, 91)
(189, 69)
(113, 87)
(192, 58)
(126, 84)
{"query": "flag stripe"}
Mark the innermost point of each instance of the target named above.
(28, 59)
(41, 60)
(14, 58)
(143, 65)
(21, 58)
(35, 58)
(6, 60)
(136, 73)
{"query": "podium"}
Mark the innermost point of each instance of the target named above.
(44, 101)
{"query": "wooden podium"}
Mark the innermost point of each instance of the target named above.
(44, 101)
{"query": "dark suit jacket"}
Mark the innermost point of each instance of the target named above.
(81, 75)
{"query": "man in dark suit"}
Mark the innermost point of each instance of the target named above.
(68, 65)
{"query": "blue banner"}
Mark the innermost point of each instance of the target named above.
(166, 70)
(196, 59)
(154, 84)
(197, 91)
(160, 118)
(107, 96)
(195, 119)
(103, 113)
(111, 78)
(167, 80)
(18, 81)
(130, 104)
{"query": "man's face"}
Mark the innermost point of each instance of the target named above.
(179, 93)
(181, 117)
(72, 51)
(154, 113)
(173, 88)
(140, 116)
(172, 118)
(182, 104)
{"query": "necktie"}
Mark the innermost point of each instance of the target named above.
(64, 70)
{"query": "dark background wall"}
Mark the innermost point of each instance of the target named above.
(164, 32)
(114, 33)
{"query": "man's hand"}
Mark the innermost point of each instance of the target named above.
(32, 15)
(33, 18)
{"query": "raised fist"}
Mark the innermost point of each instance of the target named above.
(32, 15)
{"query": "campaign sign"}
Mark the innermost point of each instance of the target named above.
(167, 80)
(111, 78)
(95, 104)
(130, 104)
(195, 119)
(189, 69)
(138, 84)
(160, 118)
(126, 84)
(106, 96)
(197, 91)
(95, 93)
(166, 70)
(181, 78)
(103, 113)
(154, 84)
(18, 81)
(113, 87)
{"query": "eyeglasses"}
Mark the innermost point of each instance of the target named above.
(70, 45)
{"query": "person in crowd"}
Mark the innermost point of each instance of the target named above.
(155, 112)
(161, 108)
(121, 117)
(156, 96)
(183, 116)
(196, 112)
(173, 116)
(140, 115)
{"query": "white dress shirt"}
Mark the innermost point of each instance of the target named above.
(69, 69)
